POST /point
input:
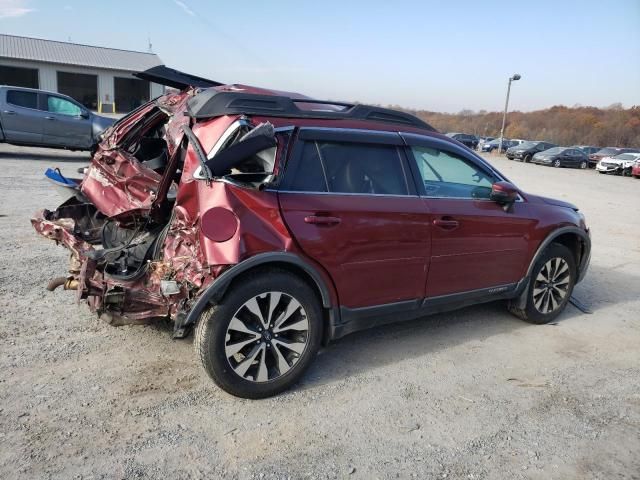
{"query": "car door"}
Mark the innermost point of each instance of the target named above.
(21, 119)
(569, 158)
(578, 157)
(66, 123)
(475, 243)
(351, 205)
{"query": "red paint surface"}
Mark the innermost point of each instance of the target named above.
(377, 253)
(219, 224)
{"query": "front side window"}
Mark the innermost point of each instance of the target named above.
(22, 98)
(62, 106)
(348, 168)
(448, 175)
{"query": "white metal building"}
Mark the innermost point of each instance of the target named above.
(100, 78)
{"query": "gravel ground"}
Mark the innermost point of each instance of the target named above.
(471, 394)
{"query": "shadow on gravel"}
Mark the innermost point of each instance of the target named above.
(607, 286)
(393, 343)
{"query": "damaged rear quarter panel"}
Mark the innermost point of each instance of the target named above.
(193, 257)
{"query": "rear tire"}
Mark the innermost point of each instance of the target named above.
(550, 286)
(261, 338)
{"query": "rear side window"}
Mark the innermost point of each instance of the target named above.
(21, 98)
(306, 174)
(349, 168)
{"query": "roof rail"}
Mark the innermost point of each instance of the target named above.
(212, 103)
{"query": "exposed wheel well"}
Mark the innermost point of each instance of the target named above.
(574, 243)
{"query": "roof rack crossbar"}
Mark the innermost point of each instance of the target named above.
(213, 103)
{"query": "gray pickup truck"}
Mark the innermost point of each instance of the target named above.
(46, 119)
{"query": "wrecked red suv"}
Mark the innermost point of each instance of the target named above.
(272, 223)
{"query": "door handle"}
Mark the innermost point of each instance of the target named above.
(446, 223)
(49, 118)
(322, 220)
(9, 112)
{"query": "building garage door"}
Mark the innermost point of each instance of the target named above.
(130, 93)
(79, 86)
(19, 77)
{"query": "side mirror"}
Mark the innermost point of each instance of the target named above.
(84, 114)
(504, 193)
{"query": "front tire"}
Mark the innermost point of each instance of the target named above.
(261, 338)
(550, 286)
(583, 165)
(557, 163)
(527, 158)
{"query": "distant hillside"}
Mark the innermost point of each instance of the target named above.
(613, 126)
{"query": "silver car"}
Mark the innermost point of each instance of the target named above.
(46, 119)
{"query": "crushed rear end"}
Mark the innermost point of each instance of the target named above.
(164, 208)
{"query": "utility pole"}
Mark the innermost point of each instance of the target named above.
(506, 106)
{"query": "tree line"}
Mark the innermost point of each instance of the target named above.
(613, 126)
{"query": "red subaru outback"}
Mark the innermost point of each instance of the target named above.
(271, 223)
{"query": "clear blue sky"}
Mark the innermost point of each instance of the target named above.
(436, 55)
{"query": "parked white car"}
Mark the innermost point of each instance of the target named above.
(619, 164)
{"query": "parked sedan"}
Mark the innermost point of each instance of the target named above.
(562, 157)
(495, 144)
(526, 150)
(594, 158)
(45, 119)
(619, 164)
(467, 140)
(586, 149)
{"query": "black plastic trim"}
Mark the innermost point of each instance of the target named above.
(586, 254)
(583, 266)
(356, 319)
(217, 289)
(213, 103)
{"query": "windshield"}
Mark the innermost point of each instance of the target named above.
(553, 151)
(528, 144)
(625, 156)
(607, 151)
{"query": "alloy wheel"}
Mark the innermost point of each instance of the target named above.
(266, 337)
(583, 165)
(557, 164)
(551, 286)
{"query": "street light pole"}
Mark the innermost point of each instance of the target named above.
(506, 106)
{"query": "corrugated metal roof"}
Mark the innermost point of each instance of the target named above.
(36, 49)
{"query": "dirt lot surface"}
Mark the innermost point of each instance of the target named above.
(471, 394)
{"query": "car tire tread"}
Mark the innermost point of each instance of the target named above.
(529, 313)
(211, 328)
